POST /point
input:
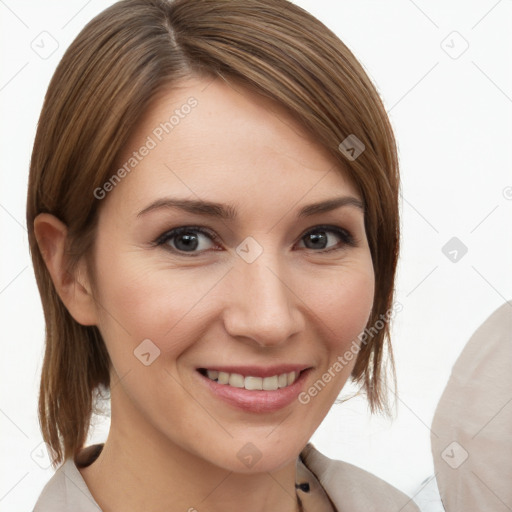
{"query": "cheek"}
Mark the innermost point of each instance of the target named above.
(342, 304)
(139, 301)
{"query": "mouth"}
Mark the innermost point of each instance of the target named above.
(255, 389)
(252, 382)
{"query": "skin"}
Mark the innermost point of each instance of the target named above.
(172, 444)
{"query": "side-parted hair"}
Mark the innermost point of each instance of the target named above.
(118, 64)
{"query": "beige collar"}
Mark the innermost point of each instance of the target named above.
(309, 490)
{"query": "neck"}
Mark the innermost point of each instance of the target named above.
(139, 469)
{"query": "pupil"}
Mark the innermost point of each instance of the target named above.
(316, 238)
(188, 242)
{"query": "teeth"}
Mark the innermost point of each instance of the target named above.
(212, 374)
(236, 380)
(223, 378)
(253, 383)
(270, 383)
(282, 380)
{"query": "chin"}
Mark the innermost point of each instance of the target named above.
(259, 453)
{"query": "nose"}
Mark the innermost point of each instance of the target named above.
(261, 306)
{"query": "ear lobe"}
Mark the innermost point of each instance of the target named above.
(73, 289)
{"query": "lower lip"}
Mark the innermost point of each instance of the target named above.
(259, 401)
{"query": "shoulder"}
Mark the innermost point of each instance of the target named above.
(352, 489)
(66, 491)
(347, 487)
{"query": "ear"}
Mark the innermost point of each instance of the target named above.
(73, 289)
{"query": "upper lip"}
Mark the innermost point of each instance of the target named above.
(258, 371)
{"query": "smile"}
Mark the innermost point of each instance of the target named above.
(255, 389)
(250, 382)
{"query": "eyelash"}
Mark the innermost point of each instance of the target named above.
(343, 234)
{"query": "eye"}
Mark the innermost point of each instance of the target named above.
(327, 238)
(187, 239)
(194, 240)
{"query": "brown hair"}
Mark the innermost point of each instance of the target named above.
(104, 83)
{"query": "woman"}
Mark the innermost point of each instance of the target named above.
(213, 222)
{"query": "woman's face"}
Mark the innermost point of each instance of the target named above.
(212, 262)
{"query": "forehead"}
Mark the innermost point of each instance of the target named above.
(210, 139)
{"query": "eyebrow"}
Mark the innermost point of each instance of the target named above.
(228, 212)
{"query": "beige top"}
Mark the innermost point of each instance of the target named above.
(323, 485)
(472, 427)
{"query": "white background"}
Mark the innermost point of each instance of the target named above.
(452, 119)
